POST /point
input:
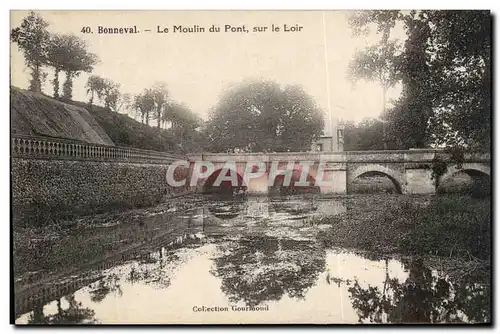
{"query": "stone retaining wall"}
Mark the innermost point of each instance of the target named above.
(69, 180)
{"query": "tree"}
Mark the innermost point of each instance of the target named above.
(446, 74)
(137, 105)
(144, 104)
(124, 101)
(56, 50)
(365, 136)
(262, 116)
(76, 59)
(383, 20)
(378, 62)
(411, 113)
(461, 77)
(183, 120)
(107, 91)
(32, 38)
(302, 121)
(110, 94)
(160, 96)
(95, 87)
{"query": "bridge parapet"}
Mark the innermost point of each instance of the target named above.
(270, 157)
(375, 156)
(410, 170)
(31, 147)
(421, 156)
(477, 157)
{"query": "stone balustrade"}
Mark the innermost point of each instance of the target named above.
(54, 148)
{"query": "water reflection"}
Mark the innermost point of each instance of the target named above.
(283, 217)
(304, 206)
(297, 280)
(280, 207)
(73, 313)
(155, 268)
(257, 269)
(423, 297)
(105, 286)
(256, 252)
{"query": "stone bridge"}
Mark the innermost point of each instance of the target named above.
(410, 171)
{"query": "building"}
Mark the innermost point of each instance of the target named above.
(329, 143)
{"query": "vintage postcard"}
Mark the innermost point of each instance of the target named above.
(251, 167)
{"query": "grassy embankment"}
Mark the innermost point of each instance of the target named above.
(125, 131)
(42, 115)
(445, 225)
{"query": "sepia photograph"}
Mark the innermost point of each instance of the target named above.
(227, 167)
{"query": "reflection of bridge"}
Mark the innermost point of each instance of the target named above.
(256, 207)
(410, 171)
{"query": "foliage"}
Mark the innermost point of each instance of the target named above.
(440, 164)
(124, 101)
(160, 97)
(377, 63)
(461, 77)
(110, 94)
(56, 49)
(66, 53)
(383, 20)
(70, 54)
(183, 120)
(95, 87)
(438, 168)
(125, 131)
(382, 229)
(365, 136)
(105, 286)
(445, 71)
(32, 38)
(423, 297)
(262, 116)
(144, 105)
(76, 60)
(456, 226)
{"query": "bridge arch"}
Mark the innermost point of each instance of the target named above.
(396, 177)
(296, 174)
(472, 169)
(225, 186)
(479, 173)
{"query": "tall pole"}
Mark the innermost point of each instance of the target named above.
(385, 38)
(384, 89)
(327, 73)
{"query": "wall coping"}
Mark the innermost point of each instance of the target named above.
(23, 146)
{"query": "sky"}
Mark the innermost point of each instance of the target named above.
(198, 67)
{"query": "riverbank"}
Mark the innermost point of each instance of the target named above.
(39, 252)
(453, 227)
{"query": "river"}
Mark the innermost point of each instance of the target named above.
(254, 260)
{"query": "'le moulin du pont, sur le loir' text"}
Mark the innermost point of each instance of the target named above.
(183, 29)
